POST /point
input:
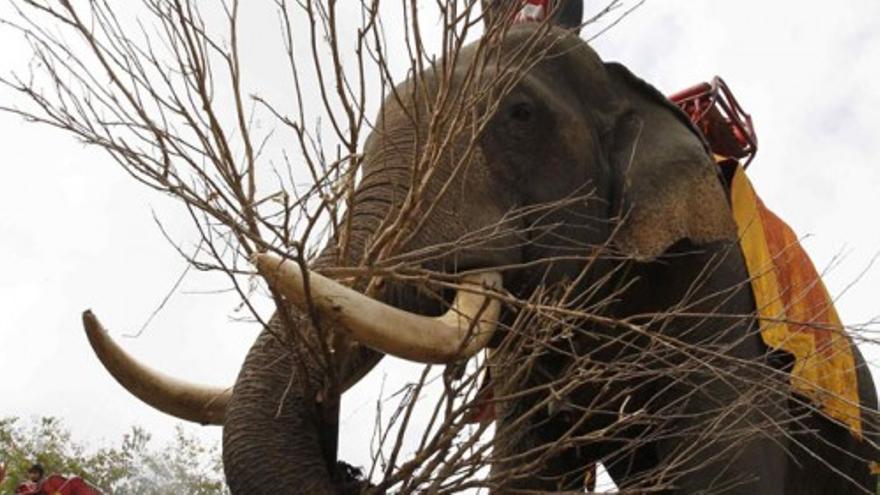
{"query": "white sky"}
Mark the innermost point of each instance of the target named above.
(77, 233)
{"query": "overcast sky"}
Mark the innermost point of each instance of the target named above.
(77, 233)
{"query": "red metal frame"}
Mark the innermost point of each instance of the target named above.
(727, 127)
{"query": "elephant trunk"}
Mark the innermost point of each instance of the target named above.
(278, 436)
(271, 441)
(281, 422)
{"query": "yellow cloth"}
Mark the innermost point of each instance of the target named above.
(795, 311)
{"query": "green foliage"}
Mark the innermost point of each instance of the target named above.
(184, 465)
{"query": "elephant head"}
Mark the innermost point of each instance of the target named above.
(522, 157)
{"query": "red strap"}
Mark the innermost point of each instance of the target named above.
(533, 11)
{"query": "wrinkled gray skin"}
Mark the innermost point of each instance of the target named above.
(572, 123)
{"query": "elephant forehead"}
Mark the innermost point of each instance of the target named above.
(556, 56)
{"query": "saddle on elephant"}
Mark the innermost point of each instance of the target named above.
(795, 312)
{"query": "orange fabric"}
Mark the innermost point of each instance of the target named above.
(796, 313)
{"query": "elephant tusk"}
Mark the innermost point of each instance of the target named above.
(459, 334)
(197, 403)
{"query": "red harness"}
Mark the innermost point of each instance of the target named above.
(532, 11)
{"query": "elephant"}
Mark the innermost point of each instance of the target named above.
(626, 175)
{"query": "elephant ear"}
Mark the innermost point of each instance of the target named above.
(668, 187)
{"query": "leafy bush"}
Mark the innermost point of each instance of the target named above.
(183, 465)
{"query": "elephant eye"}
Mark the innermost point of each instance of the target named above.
(521, 112)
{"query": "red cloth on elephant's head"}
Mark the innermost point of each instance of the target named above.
(533, 11)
